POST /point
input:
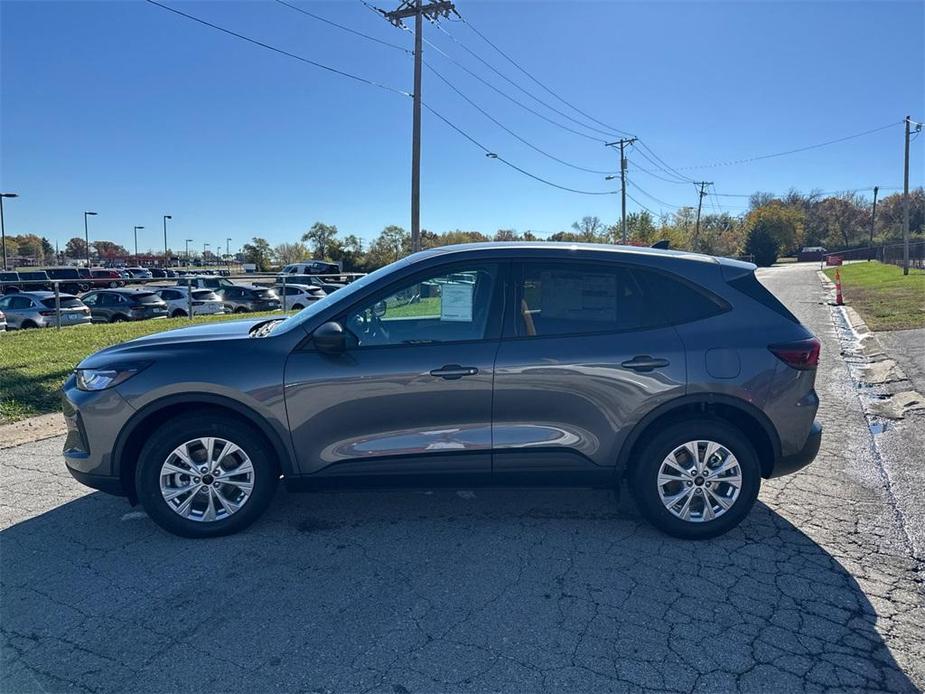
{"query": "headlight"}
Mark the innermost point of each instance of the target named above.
(101, 379)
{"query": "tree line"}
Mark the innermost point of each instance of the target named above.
(774, 226)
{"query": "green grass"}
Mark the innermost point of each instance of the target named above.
(424, 307)
(885, 298)
(34, 363)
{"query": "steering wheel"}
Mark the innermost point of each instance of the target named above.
(368, 327)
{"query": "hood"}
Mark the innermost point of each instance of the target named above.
(147, 346)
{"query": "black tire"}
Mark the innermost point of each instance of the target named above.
(113, 284)
(27, 325)
(117, 318)
(643, 479)
(240, 309)
(190, 426)
(178, 314)
(297, 307)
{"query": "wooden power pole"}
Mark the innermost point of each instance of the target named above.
(873, 217)
(622, 145)
(701, 193)
(432, 10)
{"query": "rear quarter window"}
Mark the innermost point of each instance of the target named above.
(749, 285)
(677, 300)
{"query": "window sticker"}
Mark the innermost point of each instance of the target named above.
(456, 303)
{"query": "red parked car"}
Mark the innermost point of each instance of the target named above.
(106, 278)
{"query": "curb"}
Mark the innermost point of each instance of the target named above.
(45, 426)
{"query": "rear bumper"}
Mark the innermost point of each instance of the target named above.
(791, 463)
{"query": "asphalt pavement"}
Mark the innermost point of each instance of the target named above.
(474, 590)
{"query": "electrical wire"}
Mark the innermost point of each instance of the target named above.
(746, 160)
(652, 197)
(496, 156)
(513, 62)
(268, 47)
(517, 86)
(346, 28)
(637, 167)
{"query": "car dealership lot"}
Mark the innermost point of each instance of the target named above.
(459, 590)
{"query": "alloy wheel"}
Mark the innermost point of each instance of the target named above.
(207, 479)
(699, 481)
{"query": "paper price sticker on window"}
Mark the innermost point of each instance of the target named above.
(456, 302)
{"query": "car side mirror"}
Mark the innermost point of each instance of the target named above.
(330, 338)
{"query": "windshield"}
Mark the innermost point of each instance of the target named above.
(345, 294)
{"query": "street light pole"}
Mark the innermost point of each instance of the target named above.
(136, 244)
(187, 251)
(166, 260)
(2, 227)
(87, 235)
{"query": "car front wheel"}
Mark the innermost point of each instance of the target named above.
(696, 479)
(205, 476)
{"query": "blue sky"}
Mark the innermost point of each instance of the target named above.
(129, 110)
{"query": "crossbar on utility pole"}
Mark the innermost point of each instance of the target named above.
(432, 11)
(701, 193)
(622, 144)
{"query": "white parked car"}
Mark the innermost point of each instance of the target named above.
(205, 301)
(298, 296)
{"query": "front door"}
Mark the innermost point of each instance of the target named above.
(586, 356)
(411, 395)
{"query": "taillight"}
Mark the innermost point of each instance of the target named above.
(802, 354)
(46, 313)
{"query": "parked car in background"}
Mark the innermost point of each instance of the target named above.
(157, 273)
(37, 310)
(35, 281)
(298, 296)
(139, 273)
(69, 279)
(114, 305)
(675, 372)
(170, 273)
(2, 322)
(205, 302)
(101, 277)
(808, 253)
(9, 282)
(243, 298)
(312, 267)
(204, 282)
(311, 280)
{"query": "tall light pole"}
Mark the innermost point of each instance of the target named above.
(204, 247)
(166, 260)
(227, 241)
(187, 251)
(2, 228)
(87, 235)
(136, 243)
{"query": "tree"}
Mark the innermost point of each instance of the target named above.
(784, 224)
(351, 253)
(392, 243)
(30, 246)
(288, 253)
(259, 253)
(762, 245)
(75, 248)
(109, 249)
(47, 249)
(590, 229)
(320, 238)
(507, 235)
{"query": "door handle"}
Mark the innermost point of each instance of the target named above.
(644, 362)
(453, 371)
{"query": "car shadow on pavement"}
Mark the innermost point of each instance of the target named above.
(529, 590)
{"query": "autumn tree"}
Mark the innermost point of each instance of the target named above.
(259, 253)
(75, 248)
(320, 238)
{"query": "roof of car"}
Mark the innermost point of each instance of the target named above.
(42, 295)
(578, 248)
(130, 290)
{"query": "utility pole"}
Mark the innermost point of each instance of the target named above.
(918, 128)
(166, 259)
(701, 193)
(622, 144)
(873, 217)
(433, 10)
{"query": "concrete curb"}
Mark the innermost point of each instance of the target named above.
(44, 426)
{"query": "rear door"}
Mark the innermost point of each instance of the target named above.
(587, 355)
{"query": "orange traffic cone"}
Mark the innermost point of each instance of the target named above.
(838, 296)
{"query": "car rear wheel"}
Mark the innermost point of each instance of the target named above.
(205, 476)
(117, 318)
(696, 479)
(113, 284)
(240, 309)
(28, 324)
(298, 307)
(179, 313)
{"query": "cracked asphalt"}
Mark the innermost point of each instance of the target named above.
(462, 591)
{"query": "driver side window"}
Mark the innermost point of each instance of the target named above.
(452, 305)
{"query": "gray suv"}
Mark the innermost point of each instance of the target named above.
(486, 364)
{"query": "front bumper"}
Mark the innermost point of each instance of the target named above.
(791, 463)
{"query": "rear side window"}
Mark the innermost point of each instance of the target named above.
(749, 285)
(204, 295)
(562, 298)
(147, 298)
(677, 300)
(66, 302)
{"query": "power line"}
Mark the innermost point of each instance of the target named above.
(493, 155)
(345, 28)
(652, 197)
(268, 47)
(662, 164)
(536, 81)
(747, 160)
(517, 86)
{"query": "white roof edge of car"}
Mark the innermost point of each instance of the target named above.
(566, 245)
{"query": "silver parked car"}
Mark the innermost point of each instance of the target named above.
(37, 310)
(298, 296)
(205, 302)
(523, 364)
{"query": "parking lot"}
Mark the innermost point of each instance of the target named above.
(475, 590)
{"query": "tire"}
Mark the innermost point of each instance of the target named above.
(703, 520)
(240, 309)
(27, 325)
(117, 318)
(297, 307)
(113, 284)
(178, 314)
(192, 426)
